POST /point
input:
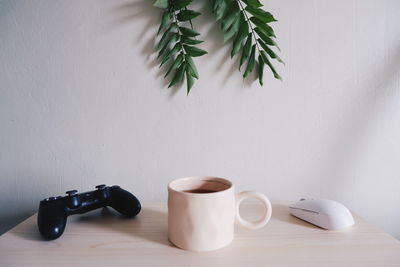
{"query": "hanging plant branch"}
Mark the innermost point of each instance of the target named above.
(177, 43)
(244, 22)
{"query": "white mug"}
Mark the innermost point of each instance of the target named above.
(202, 211)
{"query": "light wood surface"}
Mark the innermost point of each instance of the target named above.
(103, 238)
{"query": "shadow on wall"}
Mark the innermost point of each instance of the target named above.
(374, 93)
(130, 11)
(127, 13)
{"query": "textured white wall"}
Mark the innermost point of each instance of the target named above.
(82, 102)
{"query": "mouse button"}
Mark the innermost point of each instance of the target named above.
(339, 213)
(330, 207)
(305, 210)
(307, 204)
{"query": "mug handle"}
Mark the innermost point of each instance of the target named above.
(267, 209)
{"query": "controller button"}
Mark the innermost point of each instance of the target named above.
(100, 186)
(71, 192)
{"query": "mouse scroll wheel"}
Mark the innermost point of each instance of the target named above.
(302, 199)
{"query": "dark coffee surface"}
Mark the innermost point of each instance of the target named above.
(200, 191)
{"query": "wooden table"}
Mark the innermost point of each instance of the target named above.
(103, 238)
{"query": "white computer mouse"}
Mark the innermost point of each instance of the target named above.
(327, 214)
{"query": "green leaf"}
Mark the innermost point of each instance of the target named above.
(189, 81)
(165, 21)
(266, 60)
(264, 16)
(250, 64)
(237, 44)
(229, 21)
(253, 3)
(260, 70)
(269, 51)
(232, 31)
(178, 61)
(162, 51)
(188, 32)
(265, 38)
(190, 41)
(216, 4)
(221, 10)
(243, 32)
(172, 52)
(191, 67)
(194, 51)
(170, 41)
(187, 14)
(231, 15)
(165, 37)
(263, 26)
(164, 40)
(161, 4)
(178, 77)
(246, 50)
(181, 4)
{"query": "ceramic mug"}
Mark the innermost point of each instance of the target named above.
(202, 211)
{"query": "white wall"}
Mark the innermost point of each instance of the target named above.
(82, 102)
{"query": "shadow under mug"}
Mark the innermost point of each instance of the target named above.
(202, 211)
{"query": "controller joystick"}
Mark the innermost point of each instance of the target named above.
(53, 211)
(73, 200)
(100, 186)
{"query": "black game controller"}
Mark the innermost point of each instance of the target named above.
(53, 211)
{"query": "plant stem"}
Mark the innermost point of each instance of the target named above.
(180, 33)
(190, 21)
(248, 22)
